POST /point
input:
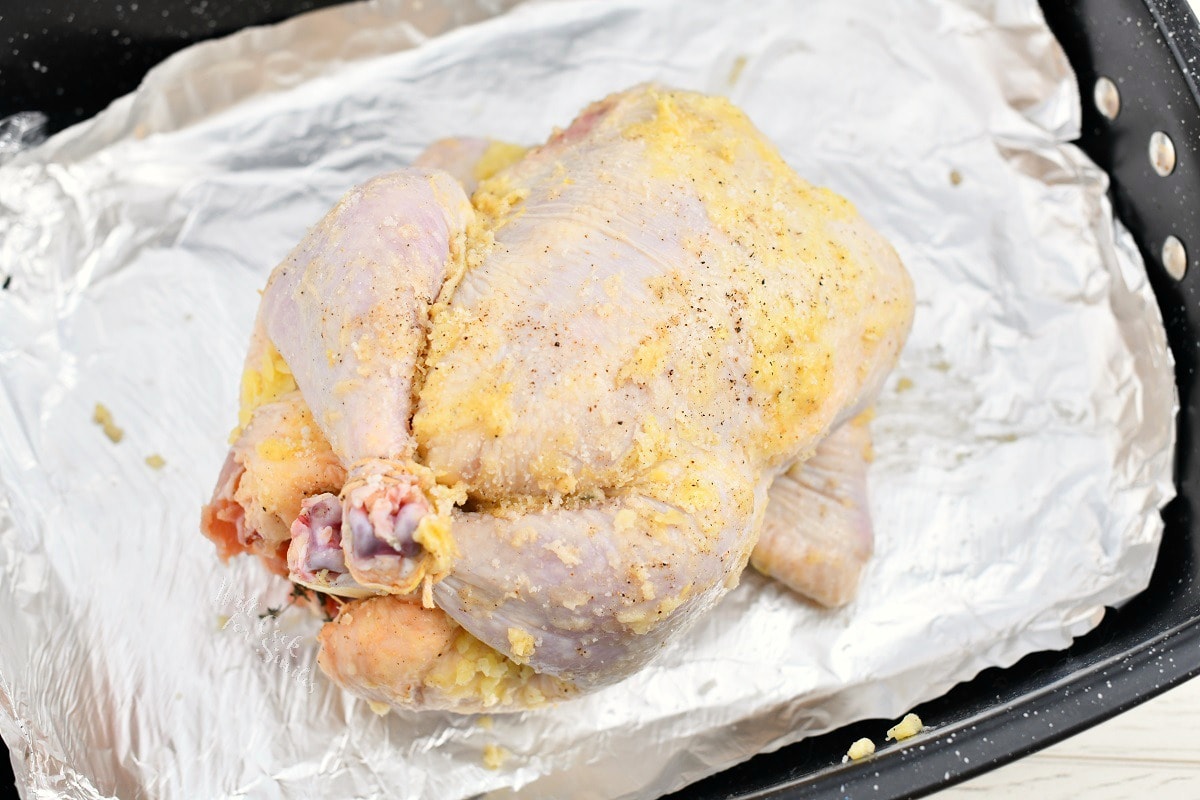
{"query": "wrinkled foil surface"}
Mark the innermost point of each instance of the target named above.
(1023, 444)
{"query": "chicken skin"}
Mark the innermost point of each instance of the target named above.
(566, 407)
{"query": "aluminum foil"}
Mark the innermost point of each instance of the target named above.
(1024, 443)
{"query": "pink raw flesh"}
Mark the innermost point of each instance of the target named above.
(317, 537)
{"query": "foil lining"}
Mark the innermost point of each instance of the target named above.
(1024, 444)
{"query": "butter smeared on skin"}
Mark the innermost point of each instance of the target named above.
(434, 532)
(435, 663)
(496, 157)
(521, 643)
(789, 228)
(474, 672)
(487, 408)
(263, 383)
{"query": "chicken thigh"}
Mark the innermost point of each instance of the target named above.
(561, 406)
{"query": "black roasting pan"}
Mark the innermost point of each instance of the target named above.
(68, 60)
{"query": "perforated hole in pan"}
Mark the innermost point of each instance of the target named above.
(1162, 155)
(1107, 97)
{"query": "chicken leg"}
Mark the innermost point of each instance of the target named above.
(349, 313)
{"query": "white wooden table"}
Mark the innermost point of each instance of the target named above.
(1151, 752)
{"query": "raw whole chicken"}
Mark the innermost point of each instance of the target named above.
(525, 437)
